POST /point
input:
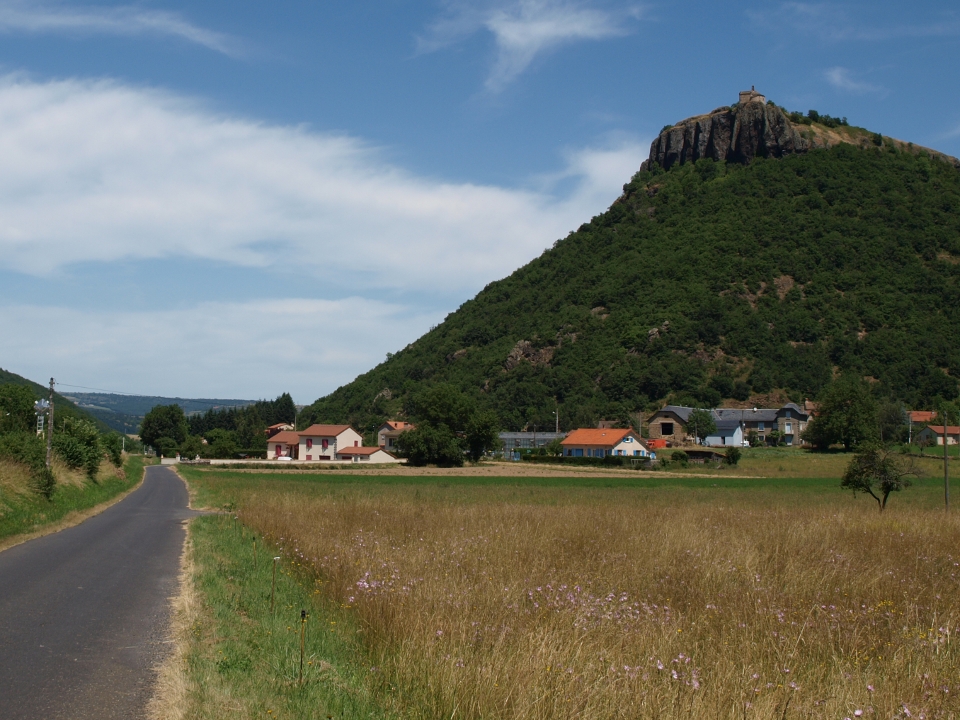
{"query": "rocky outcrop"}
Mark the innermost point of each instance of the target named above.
(524, 350)
(732, 134)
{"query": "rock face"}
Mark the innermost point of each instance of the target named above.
(732, 134)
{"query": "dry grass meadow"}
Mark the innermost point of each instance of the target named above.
(515, 601)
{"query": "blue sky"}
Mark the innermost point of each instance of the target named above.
(244, 198)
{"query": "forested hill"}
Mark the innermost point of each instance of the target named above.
(62, 407)
(707, 281)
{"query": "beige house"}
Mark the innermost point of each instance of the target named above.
(933, 435)
(389, 432)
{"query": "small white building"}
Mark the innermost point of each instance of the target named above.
(365, 455)
(323, 442)
(729, 433)
(283, 444)
(933, 435)
(592, 442)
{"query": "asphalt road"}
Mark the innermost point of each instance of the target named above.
(84, 612)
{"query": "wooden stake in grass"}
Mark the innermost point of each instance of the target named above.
(303, 636)
(273, 584)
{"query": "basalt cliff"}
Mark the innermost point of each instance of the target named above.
(755, 128)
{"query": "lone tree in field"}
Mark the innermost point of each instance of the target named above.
(878, 472)
(701, 424)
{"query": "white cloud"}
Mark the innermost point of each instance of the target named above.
(96, 171)
(250, 349)
(842, 79)
(16, 16)
(523, 29)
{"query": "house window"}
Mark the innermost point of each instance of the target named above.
(326, 444)
(309, 445)
(788, 427)
(787, 414)
(628, 439)
(760, 426)
(760, 438)
(666, 428)
(309, 457)
(636, 453)
(578, 452)
(598, 453)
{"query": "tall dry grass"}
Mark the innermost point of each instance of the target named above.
(562, 603)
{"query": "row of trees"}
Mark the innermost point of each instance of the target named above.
(215, 433)
(76, 440)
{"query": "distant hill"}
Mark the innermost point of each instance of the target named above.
(63, 406)
(125, 412)
(755, 251)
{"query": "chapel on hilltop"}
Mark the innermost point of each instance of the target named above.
(751, 95)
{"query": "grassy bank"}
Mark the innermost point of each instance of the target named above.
(23, 511)
(239, 659)
(665, 597)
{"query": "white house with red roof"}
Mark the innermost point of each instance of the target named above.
(603, 442)
(284, 444)
(933, 435)
(365, 455)
(321, 442)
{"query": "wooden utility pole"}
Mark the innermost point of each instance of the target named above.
(50, 427)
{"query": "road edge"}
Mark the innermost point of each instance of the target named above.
(169, 698)
(71, 519)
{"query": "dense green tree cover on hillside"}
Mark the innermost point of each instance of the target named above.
(707, 281)
(246, 423)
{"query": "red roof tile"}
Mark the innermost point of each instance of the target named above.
(288, 437)
(324, 430)
(594, 436)
(360, 451)
(951, 429)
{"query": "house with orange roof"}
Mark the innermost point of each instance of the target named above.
(604, 442)
(389, 432)
(278, 428)
(284, 444)
(933, 435)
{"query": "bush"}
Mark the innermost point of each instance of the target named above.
(733, 456)
(679, 457)
(44, 482)
(429, 444)
(24, 447)
(70, 450)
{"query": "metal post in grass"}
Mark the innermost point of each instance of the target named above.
(273, 584)
(303, 636)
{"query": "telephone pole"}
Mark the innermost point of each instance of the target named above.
(50, 428)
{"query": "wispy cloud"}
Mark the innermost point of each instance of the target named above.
(524, 29)
(844, 22)
(98, 171)
(16, 16)
(842, 79)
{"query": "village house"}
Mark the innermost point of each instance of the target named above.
(278, 428)
(389, 432)
(601, 442)
(933, 435)
(321, 442)
(284, 444)
(733, 425)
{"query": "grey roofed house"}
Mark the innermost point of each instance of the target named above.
(670, 422)
(729, 432)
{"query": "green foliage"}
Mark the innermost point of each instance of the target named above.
(222, 444)
(16, 408)
(733, 456)
(554, 447)
(26, 448)
(753, 438)
(892, 422)
(112, 444)
(483, 434)
(847, 415)
(246, 423)
(77, 443)
(772, 274)
(70, 450)
(679, 457)
(877, 472)
(192, 447)
(164, 421)
(701, 423)
(430, 444)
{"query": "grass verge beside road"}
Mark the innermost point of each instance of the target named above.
(237, 659)
(24, 515)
